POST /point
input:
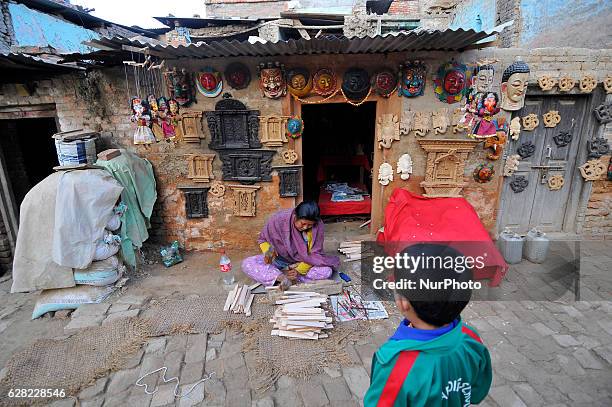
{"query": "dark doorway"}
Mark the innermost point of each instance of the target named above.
(28, 152)
(337, 147)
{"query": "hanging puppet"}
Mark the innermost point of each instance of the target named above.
(486, 108)
(237, 75)
(155, 120)
(482, 83)
(142, 118)
(299, 82)
(175, 119)
(179, 84)
(163, 114)
(272, 80)
(451, 82)
(209, 82)
(514, 86)
(412, 79)
(384, 83)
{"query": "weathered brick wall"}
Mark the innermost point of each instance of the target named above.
(404, 8)
(6, 255)
(507, 10)
(245, 8)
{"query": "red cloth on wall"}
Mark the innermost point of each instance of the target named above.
(414, 218)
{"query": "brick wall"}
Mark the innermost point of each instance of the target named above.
(6, 255)
(404, 7)
(249, 8)
(507, 10)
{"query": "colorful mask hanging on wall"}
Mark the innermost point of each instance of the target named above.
(237, 75)
(451, 82)
(299, 82)
(514, 86)
(384, 83)
(324, 82)
(209, 82)
(483, 78)
(295, 127)
(272, 80)
(356, 84)
(484, 173)
(141, 116)
(412, 79)
(180, 88)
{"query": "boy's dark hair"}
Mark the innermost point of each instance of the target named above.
(308, 210)
(436, 306)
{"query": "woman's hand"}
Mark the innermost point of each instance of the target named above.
(291, 274)
(269, 255)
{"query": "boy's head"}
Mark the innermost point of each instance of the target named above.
(440, 277)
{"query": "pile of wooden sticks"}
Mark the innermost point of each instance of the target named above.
(300, 316)
(240, 299)
(353, 250)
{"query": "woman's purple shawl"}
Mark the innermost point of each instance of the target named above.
(288, 242)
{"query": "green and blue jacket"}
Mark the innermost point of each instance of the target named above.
(447, 367)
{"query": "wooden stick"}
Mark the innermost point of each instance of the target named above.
(248, 304)
(230, 298)
(235, 302)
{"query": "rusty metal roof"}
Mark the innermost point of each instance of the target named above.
(416, 40)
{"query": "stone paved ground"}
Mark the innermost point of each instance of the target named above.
(545, 353)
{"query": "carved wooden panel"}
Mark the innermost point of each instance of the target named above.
(233, 126)
(244, 199)
(247, 166)
(196, 202)
(273, 129)
(192, 127)
(289, 180)
(445, 166)
(200, 167)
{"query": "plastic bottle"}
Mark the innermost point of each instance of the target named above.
(225, 265)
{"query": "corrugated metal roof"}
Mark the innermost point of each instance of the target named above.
(16, 60)
(416, 40)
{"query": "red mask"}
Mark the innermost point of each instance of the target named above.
(208, 81)
(454, 81)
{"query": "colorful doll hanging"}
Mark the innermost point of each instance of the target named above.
(163, 114)
(451, 82)
(299, 82)
(384, 83)
(155, 120)
(324, 82)
(356, 85)
(412, 79)
(209, 82)
(140, 115)
(295, 127)
(179, 86)
(175, 119)
(486, 108)
(272, 80)
(237, 75)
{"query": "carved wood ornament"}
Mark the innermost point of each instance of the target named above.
(587, 83)
(387, 130)
(217, 189)
(289, 180)
(566, 83)
(530, 122)
(519, 183)
(607, 83)
(440, 121)
(598, 147)
(592, 170)
(511, 165)
(247, 166)
(515, 128)
(458, 126)
(192, 126)
(421, 123)
(196, 202)
(444, 173)
(273, 130)
(200, 167)
(232, 125)
(547, 82)
(603, 113)
(245, 199)
(385, 174)
(562, 139)
(289, 156)
(551, 118)
(407, 122)
(556, 182)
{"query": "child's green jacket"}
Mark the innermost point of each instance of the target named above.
(453, 369)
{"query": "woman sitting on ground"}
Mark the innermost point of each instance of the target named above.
(292, 246)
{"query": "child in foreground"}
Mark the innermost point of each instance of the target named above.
(434, 358)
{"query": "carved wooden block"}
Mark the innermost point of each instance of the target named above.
(196, 202)
(387, 130)
(551, 118)
(244, 199)
(247, 166)
(511, 165)
(607, 83)
(192, 126)
(587, 84)
(556, 182)
(444, 173)
(421, 123)
(200, 167)
(458, 127)
(233, 126)
(530, 122)
(440, 121)
(592, 170)
(566, 83)
(547, 82)
(515, 128)
(289, 180)
(273, 130)
(217, 189)
(406, 122)
(289, 156)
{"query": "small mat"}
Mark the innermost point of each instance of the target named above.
(74, 362)
(277, 356)
(199, 315)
